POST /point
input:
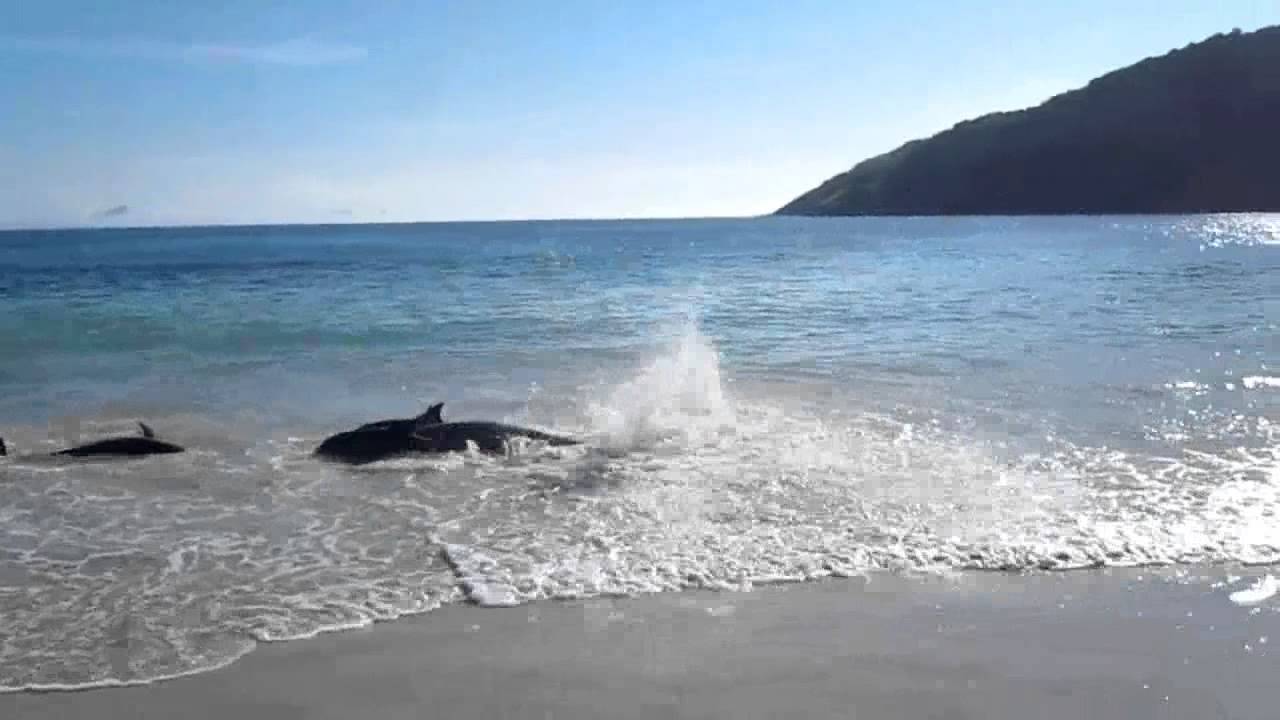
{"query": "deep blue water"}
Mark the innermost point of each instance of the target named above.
(764, 399)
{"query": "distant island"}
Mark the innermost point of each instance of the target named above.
(1196, 130)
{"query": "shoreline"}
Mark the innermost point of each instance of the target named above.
(1098, 643)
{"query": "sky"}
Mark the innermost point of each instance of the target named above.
(164, 113)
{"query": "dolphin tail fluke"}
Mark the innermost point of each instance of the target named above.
(432, 416)
(147, 432)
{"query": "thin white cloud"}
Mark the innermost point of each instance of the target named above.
(298, 51)
(303, 51)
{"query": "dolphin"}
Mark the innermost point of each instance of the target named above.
(144, 444)
(427, 433)
(377, 440)
(488, 437)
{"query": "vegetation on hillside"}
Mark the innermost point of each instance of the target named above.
(1195, 130)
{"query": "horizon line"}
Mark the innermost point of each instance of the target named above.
(354, 223)
(514, 221)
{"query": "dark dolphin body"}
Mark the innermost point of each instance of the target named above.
(427, 433)
(489, 437)
(377, 440)
(144, 444)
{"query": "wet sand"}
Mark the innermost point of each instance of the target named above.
(1108, 644)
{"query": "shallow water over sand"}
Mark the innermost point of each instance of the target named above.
(764, 401)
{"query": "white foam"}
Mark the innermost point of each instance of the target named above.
(764, 494)
(1259, 382)
(119, 683)
(689, 482)
(1261, 590)
(471, 569)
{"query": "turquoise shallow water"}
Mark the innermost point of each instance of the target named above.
(765, 400)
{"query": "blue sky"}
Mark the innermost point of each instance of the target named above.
(232, 112)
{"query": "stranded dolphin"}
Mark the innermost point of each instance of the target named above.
(144, 444)
(377, 440)
(426, 434)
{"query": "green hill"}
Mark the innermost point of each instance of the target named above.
(1196, 130)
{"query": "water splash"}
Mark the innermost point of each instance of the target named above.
(678, 397)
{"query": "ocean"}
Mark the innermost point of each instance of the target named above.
(763, 400)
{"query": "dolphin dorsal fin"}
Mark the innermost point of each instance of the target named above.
(147, 432)
(432, 416)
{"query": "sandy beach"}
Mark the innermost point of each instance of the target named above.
(1106, 644)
